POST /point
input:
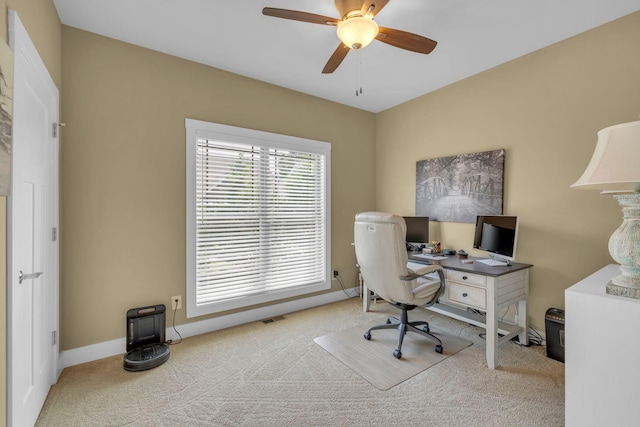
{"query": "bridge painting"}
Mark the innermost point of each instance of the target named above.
(458, 188)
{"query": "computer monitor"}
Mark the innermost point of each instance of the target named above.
(497, 235)
(417, 229)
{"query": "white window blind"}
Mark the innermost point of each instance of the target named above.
(260, 217)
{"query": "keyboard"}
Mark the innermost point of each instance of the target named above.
(492, 262)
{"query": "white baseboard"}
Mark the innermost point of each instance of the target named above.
(117, 346)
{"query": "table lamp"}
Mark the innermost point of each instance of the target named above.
(615, 169)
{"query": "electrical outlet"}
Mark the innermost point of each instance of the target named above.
(176, 302)
(335, 273)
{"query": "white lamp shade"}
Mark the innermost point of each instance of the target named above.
(357, 32)
(615, 165)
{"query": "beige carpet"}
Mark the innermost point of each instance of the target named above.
(374, 361)
(276, 375)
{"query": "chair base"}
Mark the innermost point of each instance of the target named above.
(403, 326)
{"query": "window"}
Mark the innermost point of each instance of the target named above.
(258, 217)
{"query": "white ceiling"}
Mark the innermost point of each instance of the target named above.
(233, 35)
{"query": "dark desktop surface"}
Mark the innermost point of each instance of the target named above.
(454, 263)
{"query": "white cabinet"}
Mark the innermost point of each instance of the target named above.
(602, 347)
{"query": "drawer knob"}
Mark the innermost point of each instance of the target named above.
(465, 294)
(464, 277)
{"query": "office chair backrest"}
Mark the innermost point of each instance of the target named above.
(381, 254)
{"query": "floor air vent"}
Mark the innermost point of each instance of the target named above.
(273, 319)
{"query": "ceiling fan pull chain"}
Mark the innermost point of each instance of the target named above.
(360, 70)
(357, 72)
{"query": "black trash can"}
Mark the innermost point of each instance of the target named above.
(554, 330)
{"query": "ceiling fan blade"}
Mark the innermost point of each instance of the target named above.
(405, 40)
(377, 6)
(299, 16)
(336, 59)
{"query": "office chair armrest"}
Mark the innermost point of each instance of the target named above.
(423, 272)
(424, 286)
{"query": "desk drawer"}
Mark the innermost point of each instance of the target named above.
(461, 276)
(467, 295)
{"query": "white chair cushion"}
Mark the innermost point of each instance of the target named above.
(382, 256)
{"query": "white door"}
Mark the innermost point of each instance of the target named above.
(32, 282)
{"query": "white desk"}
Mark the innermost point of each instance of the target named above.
(484, 288)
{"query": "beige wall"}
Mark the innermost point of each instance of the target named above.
(40, 18)
(123, 172)
(544, 109)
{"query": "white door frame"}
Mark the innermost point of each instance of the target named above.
(19, 39)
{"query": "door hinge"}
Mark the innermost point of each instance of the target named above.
(54, 234)
(54, 337)
(54, 129)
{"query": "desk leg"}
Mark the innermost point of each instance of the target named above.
(491, 332)
(366, 298)
(523, 337)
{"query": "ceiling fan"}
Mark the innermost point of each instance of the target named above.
(356, 29)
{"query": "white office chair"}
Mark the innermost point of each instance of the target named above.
(382, 258)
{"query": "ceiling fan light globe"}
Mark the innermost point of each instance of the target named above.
(357, 32)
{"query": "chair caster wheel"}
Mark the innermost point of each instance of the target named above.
(388, 321)
(367, 335)
(439, 349)
(397, 354)
(426, 329)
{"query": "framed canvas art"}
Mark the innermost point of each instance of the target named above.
(458, 188)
